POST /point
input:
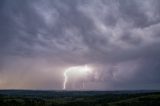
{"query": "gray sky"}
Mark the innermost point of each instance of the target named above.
(119, 39)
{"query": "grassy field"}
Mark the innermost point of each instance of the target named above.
(78, 98)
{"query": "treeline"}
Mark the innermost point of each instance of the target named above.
(152, 99)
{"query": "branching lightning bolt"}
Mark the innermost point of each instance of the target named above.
(76, 70)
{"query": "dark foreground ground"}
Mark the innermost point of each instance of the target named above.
(79, 98)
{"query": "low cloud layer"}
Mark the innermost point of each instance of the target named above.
(120, 39)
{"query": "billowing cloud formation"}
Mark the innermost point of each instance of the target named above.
(41, 38)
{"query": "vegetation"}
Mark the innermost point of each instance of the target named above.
(75, 98)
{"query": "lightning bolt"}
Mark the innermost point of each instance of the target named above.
(65, 80)
(76, 71)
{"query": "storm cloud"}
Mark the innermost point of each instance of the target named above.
(120, 39)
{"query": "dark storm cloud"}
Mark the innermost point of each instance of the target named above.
(119, 38)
